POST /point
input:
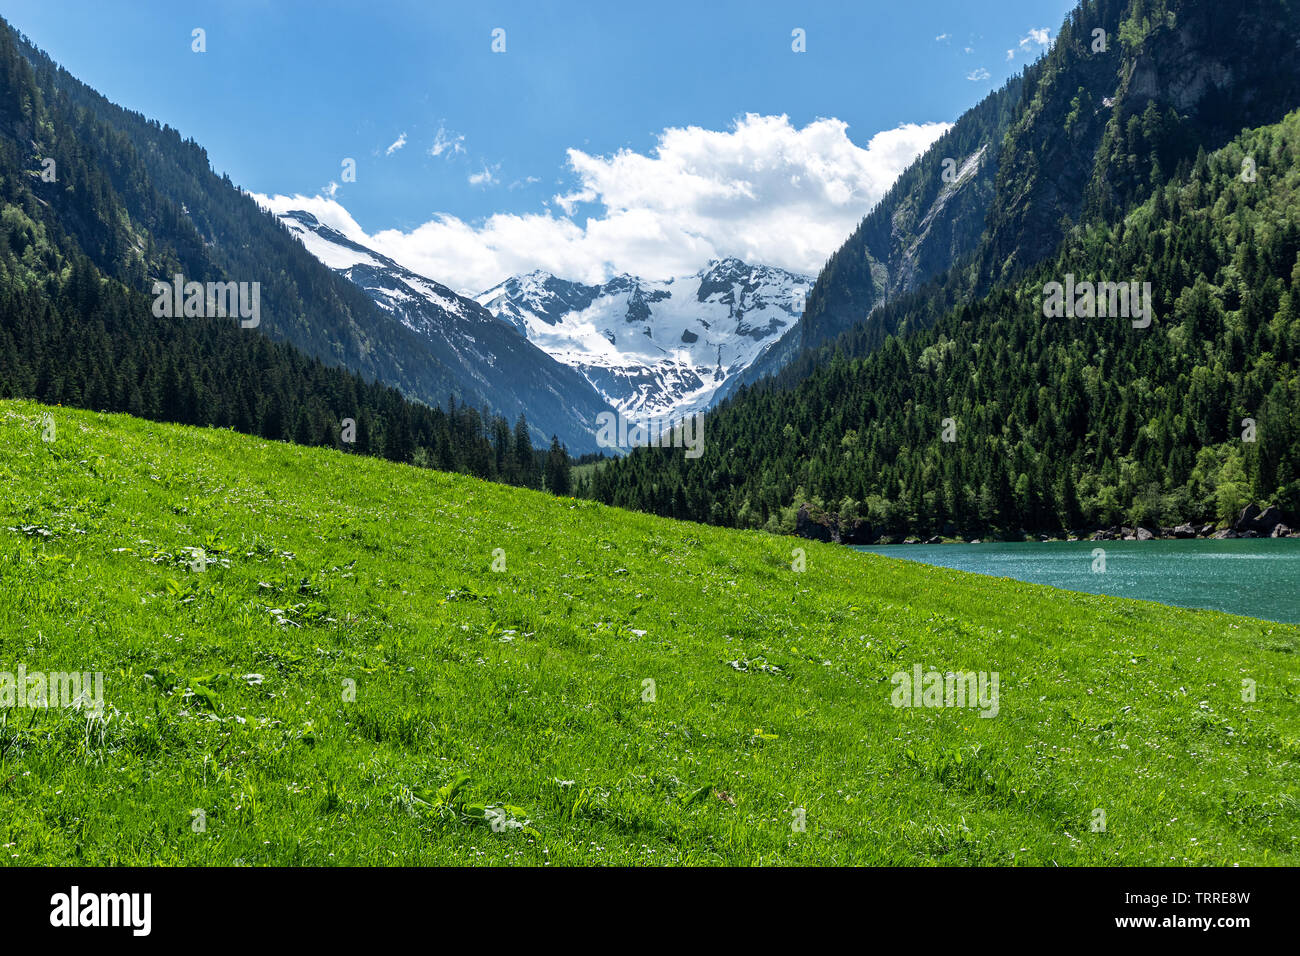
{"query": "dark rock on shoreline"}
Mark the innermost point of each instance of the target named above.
(857, 533)
(806, 527)
(828, 527)
(1260, 522)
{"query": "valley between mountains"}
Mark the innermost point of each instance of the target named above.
(646, 349)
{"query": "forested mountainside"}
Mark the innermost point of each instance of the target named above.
(82, 237)
(1127, 95)
(994, 417)
(143, 204)
(1098, 130)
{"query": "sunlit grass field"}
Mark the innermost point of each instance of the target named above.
(340, 676)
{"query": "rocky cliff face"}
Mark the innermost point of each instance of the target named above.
(1174, 77)
(932, 217)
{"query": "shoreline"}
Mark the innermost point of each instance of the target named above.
(1056, 540)
(1254, 522)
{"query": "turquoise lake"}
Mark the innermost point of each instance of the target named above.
(1257, 577)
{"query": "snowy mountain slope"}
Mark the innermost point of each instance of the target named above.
(493, 363)
(655, 348)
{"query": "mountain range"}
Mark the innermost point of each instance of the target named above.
(567, 350)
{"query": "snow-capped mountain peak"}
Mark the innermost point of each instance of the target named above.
(655, 347)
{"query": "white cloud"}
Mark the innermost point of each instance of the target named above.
(1035, 37)
(446, 141)
(397, 144)
(976, 76)
(763, 190)
(324, 208)
(941, 37)
(485, 178)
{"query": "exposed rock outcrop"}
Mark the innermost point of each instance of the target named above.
(827, 526)
(1261, 522)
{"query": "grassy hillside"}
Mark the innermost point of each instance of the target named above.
(524, 689)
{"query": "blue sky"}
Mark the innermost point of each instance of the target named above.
(287, 90)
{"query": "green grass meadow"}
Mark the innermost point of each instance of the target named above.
(342, 677)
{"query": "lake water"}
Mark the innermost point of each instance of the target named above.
(1257, 577)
